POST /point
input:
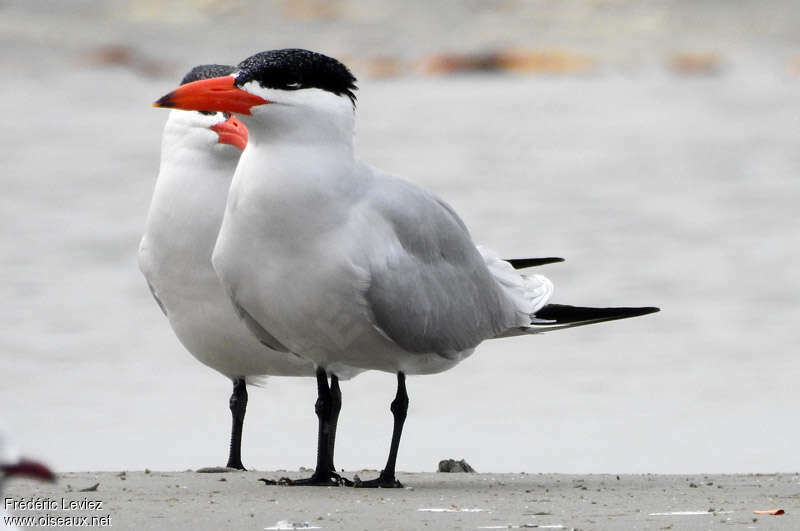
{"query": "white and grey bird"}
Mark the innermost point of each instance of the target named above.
(199, 152)
(342, 263)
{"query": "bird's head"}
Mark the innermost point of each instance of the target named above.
(291, 93)
(206, 129)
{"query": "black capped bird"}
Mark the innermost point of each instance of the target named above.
(199, 153)
(342, 263)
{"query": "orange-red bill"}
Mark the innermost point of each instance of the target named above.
(215, 94)
(232, 132)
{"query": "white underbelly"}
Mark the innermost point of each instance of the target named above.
(322, 316)
(213, 333)
(205, 321)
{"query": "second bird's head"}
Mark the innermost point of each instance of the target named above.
(217, 131)
(278, 92)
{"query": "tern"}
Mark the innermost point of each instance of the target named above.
(341, 263)
(199, 153)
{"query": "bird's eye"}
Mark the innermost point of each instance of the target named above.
(208, 113)
(295, 85)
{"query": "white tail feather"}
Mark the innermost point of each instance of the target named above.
(529, 292)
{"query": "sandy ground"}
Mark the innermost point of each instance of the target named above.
(659, 188)
(237, 500)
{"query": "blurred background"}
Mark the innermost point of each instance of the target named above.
(654, 145)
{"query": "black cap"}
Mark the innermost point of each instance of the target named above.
(207, 72)
(294, 69)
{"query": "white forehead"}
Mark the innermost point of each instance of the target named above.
(183, 118)
(192, 129)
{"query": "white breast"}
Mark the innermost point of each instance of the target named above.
(175, 257)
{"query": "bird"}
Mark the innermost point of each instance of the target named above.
(199, 152)
(13, 466)
(342, 263)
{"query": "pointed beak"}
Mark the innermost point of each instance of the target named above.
(215, 94)
(232, 132)
(29, 469)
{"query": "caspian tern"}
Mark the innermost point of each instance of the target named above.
(342, 263)
(199, 153)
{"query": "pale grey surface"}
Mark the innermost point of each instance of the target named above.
(188, 500)
(659, 189)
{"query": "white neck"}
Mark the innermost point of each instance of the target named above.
(298, 173)
(191, 190)
(312, 117)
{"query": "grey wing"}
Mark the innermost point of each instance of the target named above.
(264, 337)
(430, 291)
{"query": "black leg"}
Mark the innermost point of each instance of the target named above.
(324, 474)
(333, 419)
(238, 405)
(399, 410)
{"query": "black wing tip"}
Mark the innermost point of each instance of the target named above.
(524, 263)
(165, 101)
(563, 313)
